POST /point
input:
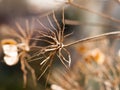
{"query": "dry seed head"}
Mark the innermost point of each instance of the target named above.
(56, 46)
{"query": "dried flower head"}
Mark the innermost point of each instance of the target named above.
(56, 47)
(55, 38)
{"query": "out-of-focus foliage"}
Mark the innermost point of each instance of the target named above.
(72, 63)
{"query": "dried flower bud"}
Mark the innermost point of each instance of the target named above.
(11, 52)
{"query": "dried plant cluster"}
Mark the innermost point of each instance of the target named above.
(55, 38)
(96, 69)
(16, 47)
(97, 62)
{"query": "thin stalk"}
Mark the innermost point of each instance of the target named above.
(77, 23)
(92, 11)
(97, 37)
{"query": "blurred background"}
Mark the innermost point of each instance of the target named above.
(83, 22)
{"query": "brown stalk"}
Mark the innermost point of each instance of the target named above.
(92, 11)
(24, 35)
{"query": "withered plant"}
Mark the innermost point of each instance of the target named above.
(88, 71)
(22, 36)
(54, 37)
(54, 46)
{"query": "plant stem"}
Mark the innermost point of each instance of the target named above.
(97, 13)
(97, 37)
